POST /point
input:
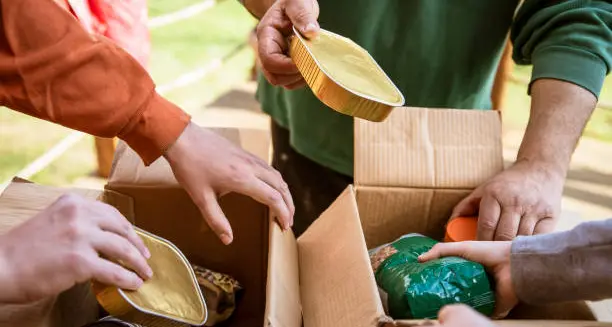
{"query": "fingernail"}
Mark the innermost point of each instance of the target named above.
(311, 27)
(137, 282)
(149, 272)
(147, 253)
(226, 239)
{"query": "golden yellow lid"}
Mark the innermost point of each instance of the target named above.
(344, 76)
(172, 294)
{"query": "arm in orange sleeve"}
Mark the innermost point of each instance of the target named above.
(52, 69)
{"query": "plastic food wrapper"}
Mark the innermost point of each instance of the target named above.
(413, 290)
(220, 291)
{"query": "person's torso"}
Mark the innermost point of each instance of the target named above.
(440, 54)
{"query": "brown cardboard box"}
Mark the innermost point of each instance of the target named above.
(410, 171)
(151, 198)
(324, 278)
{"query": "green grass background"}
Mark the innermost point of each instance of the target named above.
(182, 48)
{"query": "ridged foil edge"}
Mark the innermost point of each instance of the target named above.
(331, 93)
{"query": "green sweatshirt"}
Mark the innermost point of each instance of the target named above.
(444, 54)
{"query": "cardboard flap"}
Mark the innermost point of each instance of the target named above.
(388, 213)
(429, 148)
(22, 201)
(124, 204)
(284, 308)
(128, 168)
(337, 284)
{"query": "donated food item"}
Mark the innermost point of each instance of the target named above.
(220, 293)
(171, 297)
(344, 76)
(413, 290)
(461, 229)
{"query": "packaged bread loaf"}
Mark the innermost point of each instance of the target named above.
(413, 290)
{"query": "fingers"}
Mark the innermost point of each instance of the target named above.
(266, 194)
(304, 15)
(544, 226)
(442, 250)
(468, 207)
(110, 273)
(462, 315)
(110, 219)
(474, 251)
(283, 80)
(272, 52)
(117, 248)
(508, 225)
(214, 216)
(274, 179)
(299, 84)
(527, 225)
(488, 218)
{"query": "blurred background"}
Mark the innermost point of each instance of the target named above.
(201, 59)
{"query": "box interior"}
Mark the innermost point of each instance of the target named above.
(162, 207)
(413, 168)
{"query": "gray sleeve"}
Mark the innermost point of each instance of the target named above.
(567, 266)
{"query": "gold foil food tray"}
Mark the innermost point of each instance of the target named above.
(171, 298)
(346, 95)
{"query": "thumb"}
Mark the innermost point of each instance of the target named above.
(303, 15)
(468, 207)
(442, 250)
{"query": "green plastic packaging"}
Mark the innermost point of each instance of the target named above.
(414, 290)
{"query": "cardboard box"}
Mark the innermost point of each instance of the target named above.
(410, 172)
(151, 198)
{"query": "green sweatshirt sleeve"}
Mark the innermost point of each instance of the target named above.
(568, 40)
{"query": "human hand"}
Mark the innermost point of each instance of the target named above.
(66, 244)
(460, 315)
(494, 256)
(525, 199)
(209, 166)
(272, 33)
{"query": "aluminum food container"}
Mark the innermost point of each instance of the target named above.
(344, 76)
(172, 297)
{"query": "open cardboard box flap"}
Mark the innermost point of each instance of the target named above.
(413, 168)
(428, 148)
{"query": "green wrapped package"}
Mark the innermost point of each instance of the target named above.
(413, 290)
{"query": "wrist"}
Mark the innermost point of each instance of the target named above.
(548, 168)
(173, 151)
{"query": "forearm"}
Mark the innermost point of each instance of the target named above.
(568, 266)
(257, 8)
(568, 44)
(54, 70)
(559, 112)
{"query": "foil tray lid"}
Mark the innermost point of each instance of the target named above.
(351, 67)
(173, 292)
